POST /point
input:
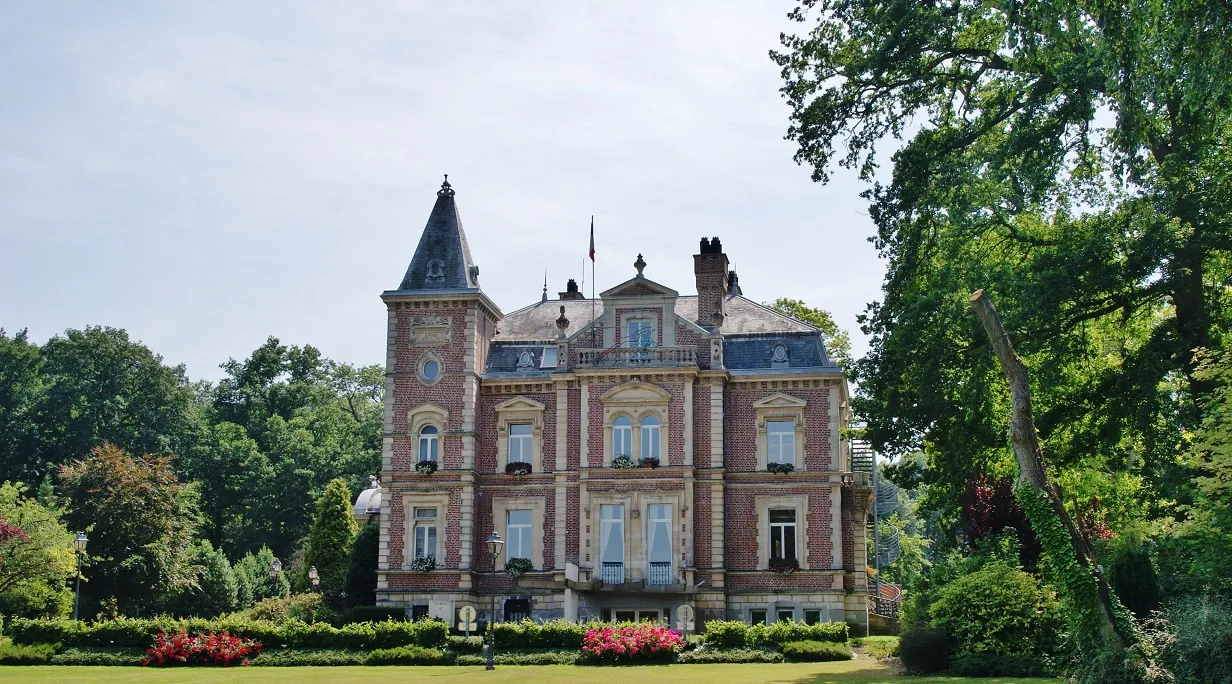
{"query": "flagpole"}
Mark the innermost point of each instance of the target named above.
(592, 281)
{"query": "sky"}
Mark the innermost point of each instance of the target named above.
(209, 174)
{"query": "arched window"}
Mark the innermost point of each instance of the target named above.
(622, 437)
(429, 441)
(650, 437)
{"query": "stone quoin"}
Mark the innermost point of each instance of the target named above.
(643, 451)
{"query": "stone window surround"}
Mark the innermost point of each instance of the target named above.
(411, 501)
(422, 416)
(519, 410)
(426, 356)
(637, 534)
(639, 400)
(827, 613)
(796, 502)
(779, 406)
(501, 505)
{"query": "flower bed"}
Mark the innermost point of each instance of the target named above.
(632, 643)
(426, 467)
(202, 649)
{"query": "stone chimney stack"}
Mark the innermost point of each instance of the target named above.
(571, 291)
(710, 269)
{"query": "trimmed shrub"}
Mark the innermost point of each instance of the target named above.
(461, 644)
(998, 609)
(374, 613)
(303, 607)
(634, 643)
(924, 650)
(34, 654)
(407, 655)
(204, 649)
(725, 633)
(524, 658)
(815, 651)
(530, 634)
(785, 631)
(1000, 665)
(313, 658)
(731, 655)
(98, 656)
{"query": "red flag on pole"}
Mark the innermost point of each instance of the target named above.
(592, 238)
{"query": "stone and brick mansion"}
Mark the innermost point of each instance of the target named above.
(644, 451)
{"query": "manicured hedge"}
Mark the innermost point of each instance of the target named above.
(735, 634)
(291, 657)
(461, 644)
(815, 651)
(98, 656)
(18, 654)
(731, 655)
(140, 633)
(408, 655)
(375, 614)
(560, 634)
(525, 658)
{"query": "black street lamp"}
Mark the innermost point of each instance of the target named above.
(315, 577)
(79, 545)
(494, 547)
(275, 569)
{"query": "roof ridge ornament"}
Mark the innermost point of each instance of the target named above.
(446, 188)
(640, 265)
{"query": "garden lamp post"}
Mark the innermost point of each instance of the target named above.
(79, 545)
(315, 577)
(274, 570)
(494, 547)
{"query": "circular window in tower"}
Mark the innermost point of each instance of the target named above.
(430, 369)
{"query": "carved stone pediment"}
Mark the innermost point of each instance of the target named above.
(430, 331)
(636, 393)
(779, 401)
(520, 404)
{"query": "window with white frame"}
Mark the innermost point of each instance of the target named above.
(781, 441)
(622, 436)
(783, 535)
(659, 543)
(612, 533)
(429, 443)
(639, 333)
(425, 533)
(517, 531)
(521, 441)
(650, 437)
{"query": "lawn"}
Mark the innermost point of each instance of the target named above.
(861, 671)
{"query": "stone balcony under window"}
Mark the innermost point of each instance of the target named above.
(637, 357)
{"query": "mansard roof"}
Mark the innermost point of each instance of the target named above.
(442, 260)
(755, 352)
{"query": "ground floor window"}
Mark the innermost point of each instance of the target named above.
(785, 615)
(419, 611)
(655, 615)
(757, 617)
(812, 617)
(517, 610)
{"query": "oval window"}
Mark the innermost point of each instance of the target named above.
(431, 369)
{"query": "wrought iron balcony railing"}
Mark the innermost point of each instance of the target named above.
(612, 573)
(637, 357)
(660, 573)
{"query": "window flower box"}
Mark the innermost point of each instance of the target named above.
(623, 462)
(784, 566)
(517, 566)
(517, 468)
(425, 564)
(426, 467)
(780, 468)
(649, 462)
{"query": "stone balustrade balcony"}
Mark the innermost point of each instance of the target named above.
(637, 357)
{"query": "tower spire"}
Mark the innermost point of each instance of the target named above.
(442, 260)
(545, 286)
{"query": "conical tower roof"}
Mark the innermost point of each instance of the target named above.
(442, 260)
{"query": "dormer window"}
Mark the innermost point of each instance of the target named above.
(779, 354)
(525, 359)
(639, 333)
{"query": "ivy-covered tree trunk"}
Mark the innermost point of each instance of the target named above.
(1098, 616)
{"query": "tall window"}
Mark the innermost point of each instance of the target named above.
(622, 437)
(425, 532)
(612, 533)
(517, 529)
(639, 333)
(783, 535)
(429, 443)
(650, 437)
(659, 544)
(781, 441)
(519, 443)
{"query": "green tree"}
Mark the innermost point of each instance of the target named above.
(142, 522)
(836, 339)
(215, 590)
(253, 579)
(998, 609)
(333, 529)
(37, 559)
(360, 585)
(23, 389)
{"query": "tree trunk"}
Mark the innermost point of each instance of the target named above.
(1030, 455)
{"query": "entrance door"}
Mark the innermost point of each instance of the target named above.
(517, 610)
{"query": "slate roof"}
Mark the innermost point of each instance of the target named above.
(537, 322)
(443, 240)
(754, 352)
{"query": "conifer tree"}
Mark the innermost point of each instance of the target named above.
(329, 541)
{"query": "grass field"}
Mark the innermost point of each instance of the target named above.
(861, 671)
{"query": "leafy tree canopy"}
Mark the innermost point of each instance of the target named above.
(37, 558)
(329, 541)
(836, 339)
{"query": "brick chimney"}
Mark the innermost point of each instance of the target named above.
(571, 291)
(710, 269)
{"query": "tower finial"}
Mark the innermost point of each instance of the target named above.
(640, 264)
(545, 286)
(446, 188)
